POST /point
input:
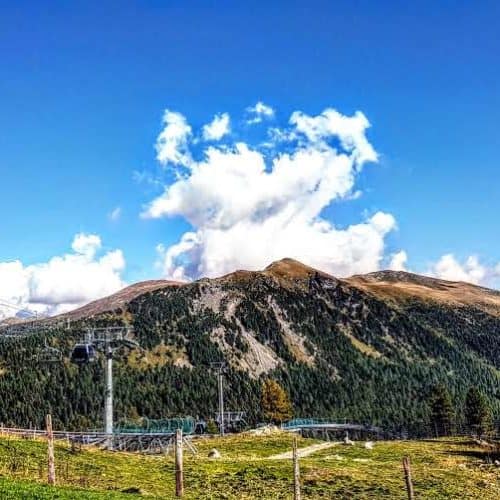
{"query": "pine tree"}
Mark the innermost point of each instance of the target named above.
(276, 404)
(442, 414)
(477, 412)
(212, 427)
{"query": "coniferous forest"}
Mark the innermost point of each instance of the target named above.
(338, 351)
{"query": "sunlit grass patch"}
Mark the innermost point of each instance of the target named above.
(442, 469)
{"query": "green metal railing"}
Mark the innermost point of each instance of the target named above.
(159, 426)
(304, 422)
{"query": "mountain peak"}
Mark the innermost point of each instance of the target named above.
(291, 268)
(286, 269)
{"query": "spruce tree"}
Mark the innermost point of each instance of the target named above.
(212, 427)
(442, 414)
(477, 412)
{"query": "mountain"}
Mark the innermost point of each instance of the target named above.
(118, 301)
(399, 285)
(367, 348)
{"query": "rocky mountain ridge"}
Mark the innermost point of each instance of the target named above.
(386, 284)
(367, 348)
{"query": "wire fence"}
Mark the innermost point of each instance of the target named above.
(92, 471)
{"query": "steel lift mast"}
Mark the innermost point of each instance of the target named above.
(109, 340)
(219, 367)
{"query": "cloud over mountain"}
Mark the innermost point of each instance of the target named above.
(63, 282)
(448, 267)
(249, 205)
(471, 270)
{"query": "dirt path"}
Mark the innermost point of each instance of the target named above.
(304, 452)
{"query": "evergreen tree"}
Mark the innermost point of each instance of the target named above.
(442, 414)
(276, 404)
(212, 427)
(477, 412)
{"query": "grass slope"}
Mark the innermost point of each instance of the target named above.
(441, 469)
(11, 489)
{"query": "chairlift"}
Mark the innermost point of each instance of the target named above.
(83, 354)
(49, 355)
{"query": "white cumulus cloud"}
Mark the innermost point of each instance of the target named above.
(448, 267)
(350, 130)
(172, 143)
(217, 128)
(398, 261)
(259, 112)
(63, 282)
(248, 207)
(86, 244)
(14, 286)
(471, 270)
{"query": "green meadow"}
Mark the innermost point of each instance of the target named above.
(247, 469)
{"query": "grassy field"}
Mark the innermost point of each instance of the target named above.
(454, 468)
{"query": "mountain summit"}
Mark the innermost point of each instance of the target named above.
(397, 286)
(366, 348)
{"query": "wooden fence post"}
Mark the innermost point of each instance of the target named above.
(51, 475)
(409, 484)
(179, 472)
(296, 471)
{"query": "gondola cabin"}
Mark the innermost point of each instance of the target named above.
(83, 354)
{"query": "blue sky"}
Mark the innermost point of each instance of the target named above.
(83, 88)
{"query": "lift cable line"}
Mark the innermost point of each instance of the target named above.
(5, 303)
(49, 354)
(28, 328)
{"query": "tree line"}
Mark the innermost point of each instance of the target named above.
(372, 362)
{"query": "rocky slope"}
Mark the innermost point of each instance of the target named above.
(367, 348)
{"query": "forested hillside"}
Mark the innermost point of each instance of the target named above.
(368, 349)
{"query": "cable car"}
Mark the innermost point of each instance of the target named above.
(83, 354)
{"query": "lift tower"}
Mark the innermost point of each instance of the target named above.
(219, 367)
(108, 340)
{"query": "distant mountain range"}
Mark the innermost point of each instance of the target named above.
(367, 348)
